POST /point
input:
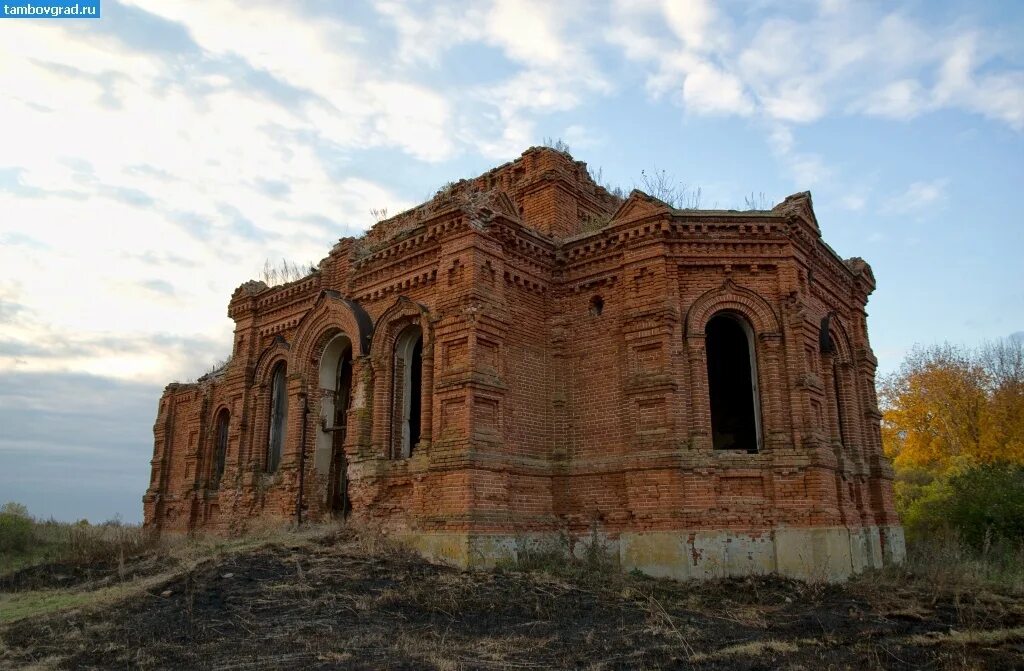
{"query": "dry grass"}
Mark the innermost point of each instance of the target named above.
(749, 649)
(945, 565)
(972, 637)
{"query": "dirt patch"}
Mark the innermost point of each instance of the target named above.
(335, 606)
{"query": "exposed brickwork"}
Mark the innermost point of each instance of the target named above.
(565, 384)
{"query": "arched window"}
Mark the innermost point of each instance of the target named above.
(732, 383)
(407, 392)
(278, 417)
(220, 447)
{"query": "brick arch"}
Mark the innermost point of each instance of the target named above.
(732, 297)
(278, 350)
(840, 336)
(402, 313)
(210, 456)
(845, 388)
(331, 313)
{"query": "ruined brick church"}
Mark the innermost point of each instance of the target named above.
(529, 359)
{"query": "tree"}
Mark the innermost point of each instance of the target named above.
(15, 528)
(933, 409)
(953, 423)
(1003, 421)
(950, 407)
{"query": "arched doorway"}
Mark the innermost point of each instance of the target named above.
(732, 383)
(336, 390)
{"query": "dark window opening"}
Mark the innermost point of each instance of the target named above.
(415, 392)
(278, 417)
(220, 448)
(340, 502)
(408, 390)
(596, 306)
(731, 384)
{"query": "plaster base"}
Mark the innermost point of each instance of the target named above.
(828, 554)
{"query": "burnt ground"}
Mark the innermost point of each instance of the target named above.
(69, 574)
(331, 603)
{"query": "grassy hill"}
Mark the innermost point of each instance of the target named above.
(337, 598)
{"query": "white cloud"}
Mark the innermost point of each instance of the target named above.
(685, 63)
(901, 99)
(805, 169)
(697, 23)
(708, 90)
(529, 31)
(854, 202)
(547, 42)
(144, 215)
(579, 136)
(517, 132)
(846, 56)
(997, 95)
(785, 69)
(917, 197)
(425, 35)
(797, 102)
(535, 90)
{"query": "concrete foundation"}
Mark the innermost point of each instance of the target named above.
(819, 554)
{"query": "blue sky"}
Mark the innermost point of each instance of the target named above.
(152, 160)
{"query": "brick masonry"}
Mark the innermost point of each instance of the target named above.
(564, 385)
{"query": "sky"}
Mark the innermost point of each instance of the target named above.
(154, 159)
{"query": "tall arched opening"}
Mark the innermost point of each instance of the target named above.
(336, 400)
(407, 392)
(220, 447)
(732, 383)
(278, 416)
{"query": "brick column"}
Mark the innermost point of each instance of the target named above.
(360, 413)
(771, 385)
(700, 398)
(427, 393)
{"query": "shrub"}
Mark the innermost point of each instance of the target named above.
(981, 505)
(15, 528)
(986, 504)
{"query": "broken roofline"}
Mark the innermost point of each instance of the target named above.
(487, 197)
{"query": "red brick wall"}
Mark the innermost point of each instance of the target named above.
(539, 412)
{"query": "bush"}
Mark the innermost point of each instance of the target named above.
(981, 505)
(986, 504)
(15, 528)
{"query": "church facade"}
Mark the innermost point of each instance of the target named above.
(527, 359)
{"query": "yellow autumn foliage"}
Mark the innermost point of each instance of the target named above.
(949, 408)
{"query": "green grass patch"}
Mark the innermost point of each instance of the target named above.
(29, 604)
